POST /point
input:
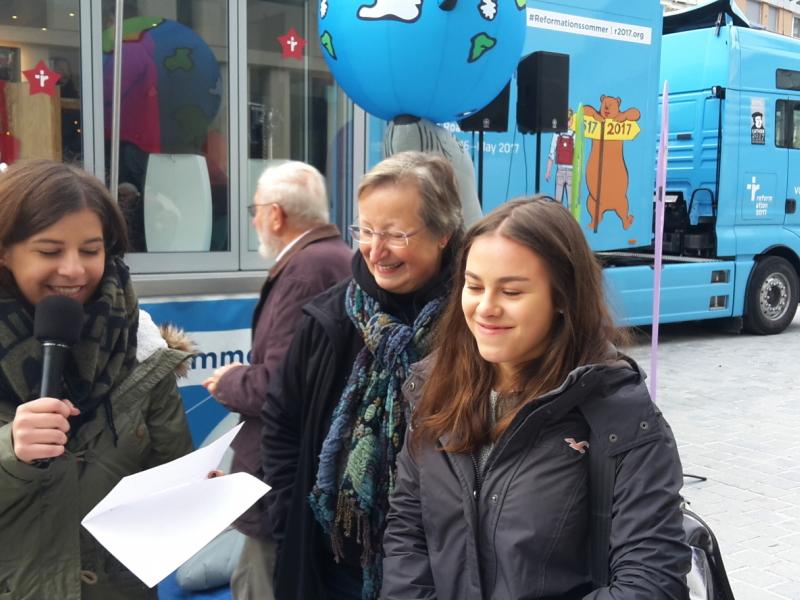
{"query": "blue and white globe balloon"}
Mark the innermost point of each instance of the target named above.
(412, 57)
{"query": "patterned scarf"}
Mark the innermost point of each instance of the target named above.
(367, 431)
(104, 355)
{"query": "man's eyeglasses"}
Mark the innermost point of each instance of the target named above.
(395, 239)
(252, 209)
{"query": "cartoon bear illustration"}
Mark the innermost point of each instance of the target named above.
(606, 172)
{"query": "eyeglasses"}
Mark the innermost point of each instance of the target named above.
(252, 209)
(395, 239)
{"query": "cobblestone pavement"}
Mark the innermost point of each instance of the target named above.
(733, 401)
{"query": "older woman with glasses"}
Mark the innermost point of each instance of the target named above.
(334, 421)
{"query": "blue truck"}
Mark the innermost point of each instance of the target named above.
(732, 228)
(734, 166)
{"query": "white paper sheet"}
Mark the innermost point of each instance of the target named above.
(154, 521)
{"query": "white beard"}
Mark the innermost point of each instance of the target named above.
(268, 248)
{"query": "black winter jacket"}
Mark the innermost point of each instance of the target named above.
(521, 531)
(296, 418)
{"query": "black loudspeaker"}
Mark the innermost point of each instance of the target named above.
(543, 92)
(492, 117)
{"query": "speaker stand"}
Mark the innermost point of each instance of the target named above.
(480, 168)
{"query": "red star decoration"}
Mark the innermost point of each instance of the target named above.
(292, 44)
(42, 79)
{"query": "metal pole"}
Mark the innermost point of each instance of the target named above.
(538, 168)
(115, 106)
(480, 168)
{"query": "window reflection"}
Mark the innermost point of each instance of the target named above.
(46, 124)
(795, 126)
(173, 148)
(780, 124)
(295, 110)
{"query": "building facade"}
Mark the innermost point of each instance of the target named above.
(779, 16)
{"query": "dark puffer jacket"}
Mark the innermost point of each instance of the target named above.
(521, 531)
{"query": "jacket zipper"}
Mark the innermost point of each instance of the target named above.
(476, 492)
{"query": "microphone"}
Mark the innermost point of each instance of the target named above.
(57, 325)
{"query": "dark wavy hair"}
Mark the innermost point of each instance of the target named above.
(35, 194)
(455, 397)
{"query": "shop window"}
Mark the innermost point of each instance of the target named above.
(173, 140)
(40, 81)
(295, 109)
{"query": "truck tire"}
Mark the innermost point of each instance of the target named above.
(772, 296)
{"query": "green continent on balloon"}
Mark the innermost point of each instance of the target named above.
(191, 125)
(521, 4)
(481, 44)
(132, 30)
(181, 59)
(326, 40)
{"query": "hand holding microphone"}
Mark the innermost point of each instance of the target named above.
(40, 426)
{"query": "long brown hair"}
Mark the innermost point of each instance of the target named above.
(455, 400)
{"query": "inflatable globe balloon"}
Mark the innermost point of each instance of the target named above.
(437, 59)
(170, 89)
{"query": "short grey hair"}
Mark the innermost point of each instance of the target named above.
(299, 189)
(432, 175)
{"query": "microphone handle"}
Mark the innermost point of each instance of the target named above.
(55, 354)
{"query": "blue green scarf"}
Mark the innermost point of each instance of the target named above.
(368, 425)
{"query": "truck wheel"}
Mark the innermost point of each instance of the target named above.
(772, 296)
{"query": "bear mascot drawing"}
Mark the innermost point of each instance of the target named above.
(606, 172)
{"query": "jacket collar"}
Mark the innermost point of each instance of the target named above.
(611, 373)
(321, 232)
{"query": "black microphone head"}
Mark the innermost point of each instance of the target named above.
(58, 319)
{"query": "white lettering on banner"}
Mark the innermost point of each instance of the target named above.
(611, 30)
(216, 349)
(490, 148)
(753, 188)
(762, 201)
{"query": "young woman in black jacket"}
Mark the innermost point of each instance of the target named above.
(492, 498)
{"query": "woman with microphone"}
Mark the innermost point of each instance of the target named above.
(119, 411)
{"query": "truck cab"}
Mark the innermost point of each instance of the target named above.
(733, 177)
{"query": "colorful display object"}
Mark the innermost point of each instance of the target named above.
(427, 58)
(170, 89)
(42, 79)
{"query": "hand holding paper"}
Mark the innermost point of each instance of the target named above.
(154, 521)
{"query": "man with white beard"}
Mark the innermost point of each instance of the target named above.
(290, 214)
